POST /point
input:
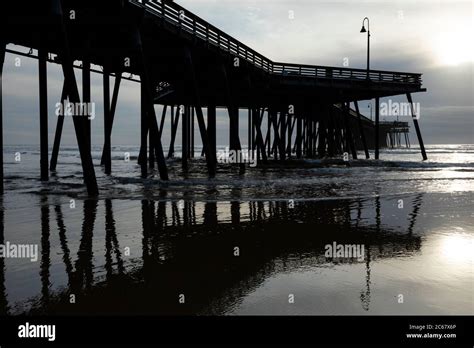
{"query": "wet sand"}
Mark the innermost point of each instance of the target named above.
(144, 244)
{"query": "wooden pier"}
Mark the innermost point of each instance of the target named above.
(192, 68)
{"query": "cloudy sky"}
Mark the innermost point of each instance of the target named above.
(428, 36)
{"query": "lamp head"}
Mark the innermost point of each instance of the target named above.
(363, 29)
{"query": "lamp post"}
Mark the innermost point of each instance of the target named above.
(363, 30)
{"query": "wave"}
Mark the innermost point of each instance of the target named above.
(387, 164)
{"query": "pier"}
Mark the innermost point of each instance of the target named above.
(192, 69)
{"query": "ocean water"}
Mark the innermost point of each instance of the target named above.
(242, 244)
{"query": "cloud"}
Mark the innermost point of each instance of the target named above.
(405, 37)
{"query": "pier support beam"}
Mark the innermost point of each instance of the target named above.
(174, 128)
(233, 127)
(417, 127)
(113, 106)
(191, 131)
(314, 136)
(73, 92)
(208, 149)
(147, 86)
(349, 137)
(107, 122)
(377, 127)
(86, 96)
(322, 117)
(185, 138)
(210, 155)
(337, 132)
(299, 136)
(211, 128)
(310, 134)
(253, 125)
(361, 130)
(142, 157)
(331, 150)
(250, 129)
(306, 133)
(151, 154)
(233, 110)
(291, 127)
(163, 118)
(309, 137)
(43, 107)
(283, 127)
(59, 131)
(2, 61)
(268, 138)
(257, 126)
(255, 137)
(276, 137)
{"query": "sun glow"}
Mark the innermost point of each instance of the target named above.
(458, 248)
(454, 48)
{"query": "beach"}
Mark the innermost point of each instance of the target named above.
(242, 244)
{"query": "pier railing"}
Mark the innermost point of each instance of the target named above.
(187, 21)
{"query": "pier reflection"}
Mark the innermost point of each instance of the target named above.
(190, 248)
(3, 292)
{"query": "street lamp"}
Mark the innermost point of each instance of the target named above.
(363, 30)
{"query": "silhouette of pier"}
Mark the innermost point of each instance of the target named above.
(174, 232)
(192, 68)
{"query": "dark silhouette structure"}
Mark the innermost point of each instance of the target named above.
(186, 247)
(187, 65)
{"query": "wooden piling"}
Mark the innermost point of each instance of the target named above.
(361, 130)
(142, 157)
(377, 127)
(163, 118)
(331, 150)
(43, 100)
(299, 131)
(258, 140)
(58, 133)
(322, 131)
(73, 92)
(282, 142)
(417, 128)
(249, 129)
(113, 108)
(193, 112)
(210, 154)
(349, 137)
(269, 133)
(290, 126)
(211, 128)
(185, 138)
(233, 127)
(174, 128)
(86, 98)
(150, 108)
(107, 122)
(2, 61)
(233, 111)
